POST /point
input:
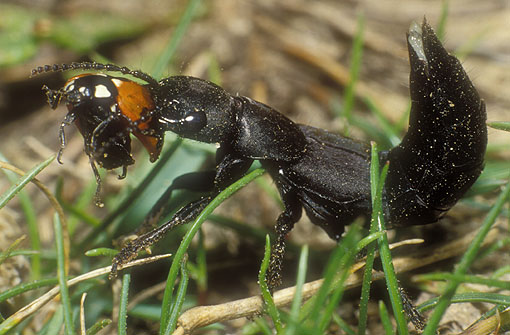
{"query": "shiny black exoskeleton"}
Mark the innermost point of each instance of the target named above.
(439, 158)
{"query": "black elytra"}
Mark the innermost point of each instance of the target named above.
(325, 174)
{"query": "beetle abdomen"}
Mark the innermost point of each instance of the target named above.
(332, 181)
(442, 154)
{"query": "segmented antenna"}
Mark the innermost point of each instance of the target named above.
(94, 66)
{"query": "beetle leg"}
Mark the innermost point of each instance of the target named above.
(95, 134)
(69, 119)
(228, 170)
(97, 196)
(184, 215)
(230, 167)
(284, 225)
(124, 172)
(202, 181)
(412, 313)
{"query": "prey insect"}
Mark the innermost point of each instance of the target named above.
(325, 174)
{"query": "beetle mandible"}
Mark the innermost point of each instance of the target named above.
(325, 174)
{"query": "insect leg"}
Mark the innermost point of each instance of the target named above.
(202, 181)
(97, 195)
(68, 120)
(184, 215)
(284, 225)
(227, 171)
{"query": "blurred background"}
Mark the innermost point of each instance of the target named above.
(294, 55)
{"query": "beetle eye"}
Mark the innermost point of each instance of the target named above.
(194, 121)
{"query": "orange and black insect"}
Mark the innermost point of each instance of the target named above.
(107, 110)
(327, 175)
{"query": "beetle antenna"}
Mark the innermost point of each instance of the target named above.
(94, 66)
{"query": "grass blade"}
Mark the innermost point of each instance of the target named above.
(384, 249)
(385, 319)
(266, 294)
(22, 288)
(33, 228)
(296, 302)
(123, 304)
(465, 262)
(341, 257)
(500, 125)
(357, 53)
(441, 25)
(61, 273)
(465, 279)
(179, 300)
(23, 181)
(177, 35)
(369, 263)
(186, 241)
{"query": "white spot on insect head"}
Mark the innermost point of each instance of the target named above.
(165, 120)
(117, 82)
(102, 91)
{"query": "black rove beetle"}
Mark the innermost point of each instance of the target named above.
(437, 161)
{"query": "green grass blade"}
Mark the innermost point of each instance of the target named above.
(369, 263)
(385, 319)
(177, 36)
(25, 287)
(471, 297)
(98, 326)
(201, 263)
(296, 302)
(465, 262)
(214, 70)
(384, 249)
(441, 25)
(123, 304)
(54, 326)
(31, 221)
(500, 125)
(341, 257)
(340, 278)
(343, 325)
(263, 327)
(133, 195)
(101, 252)
(179, 300)
(389, 271)
(367, 240)
(23, 181)
(61, 274)
(390, 131)
(501, 271)
(466, 279)
(264, 289)
(356, 57)
(186, 241)
(8, 253)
